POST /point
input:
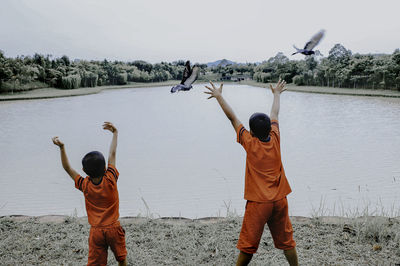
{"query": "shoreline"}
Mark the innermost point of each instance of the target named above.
(62, 240)
(55, 218)
(49, 93)
(331, 90)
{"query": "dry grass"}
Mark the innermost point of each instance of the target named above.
(331, 241)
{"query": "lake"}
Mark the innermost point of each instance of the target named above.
(177, 153)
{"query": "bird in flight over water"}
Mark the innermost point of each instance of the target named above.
(307, 50)
(189, 77)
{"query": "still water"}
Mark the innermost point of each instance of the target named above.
(177, 153)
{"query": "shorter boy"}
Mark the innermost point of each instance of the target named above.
(101, 200)
(266, 186)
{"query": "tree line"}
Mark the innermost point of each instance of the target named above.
(340, 68)
(27, 72)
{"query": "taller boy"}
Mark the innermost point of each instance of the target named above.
(266, 185)
(101, 200)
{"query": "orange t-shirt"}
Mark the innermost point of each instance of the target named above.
(265, 179)
(102, 202)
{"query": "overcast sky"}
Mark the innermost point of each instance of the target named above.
(202, 31)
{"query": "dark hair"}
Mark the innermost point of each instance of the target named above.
(260, 125)
(94, 164)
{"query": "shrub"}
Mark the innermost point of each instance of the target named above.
(89, 79)
(298, 80)
(71, 82)
(122, 78)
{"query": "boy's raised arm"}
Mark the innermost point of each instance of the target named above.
(280, 87)
(217, 94)
(113, 147)
(64, 159)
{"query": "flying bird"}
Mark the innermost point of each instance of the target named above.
(189, 77)
(311, 44)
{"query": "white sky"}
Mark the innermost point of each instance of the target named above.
(202, 31)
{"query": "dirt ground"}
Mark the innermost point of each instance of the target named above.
(61, 240)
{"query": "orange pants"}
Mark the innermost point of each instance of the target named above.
(257, 214)
(102, 237)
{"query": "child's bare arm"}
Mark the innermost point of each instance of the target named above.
(64, 159)
(280, 87)
(217, 94)
(113, 147)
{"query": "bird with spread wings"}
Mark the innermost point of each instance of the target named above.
(190, 75)
(307, 50)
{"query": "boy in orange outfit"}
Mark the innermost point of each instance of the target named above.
(101, 200)
(266, 186)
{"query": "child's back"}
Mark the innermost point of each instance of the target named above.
(265, 178)
(102, 201)
(266, 185)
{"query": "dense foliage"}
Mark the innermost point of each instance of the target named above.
(339, 69)
(27, 72)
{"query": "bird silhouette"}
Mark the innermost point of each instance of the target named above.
(189, 77)
(307, 50)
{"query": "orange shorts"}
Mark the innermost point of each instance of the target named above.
(257, 214)
(102, 237)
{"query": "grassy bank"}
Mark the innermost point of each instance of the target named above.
(46, 93)
(331, 90)
(14, 87)
(56, 93)
(58, 240)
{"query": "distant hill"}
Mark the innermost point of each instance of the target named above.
(223, 62)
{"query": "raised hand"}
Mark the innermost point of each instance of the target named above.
(64, 159)
(280, 87)
(113, 147)
(214, 92)
(110, 127)
(57, 142)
